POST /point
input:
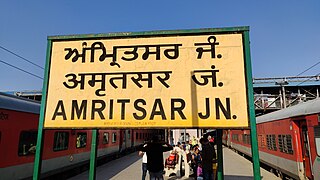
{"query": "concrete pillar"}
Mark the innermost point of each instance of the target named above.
(281, 101)
(284, 97)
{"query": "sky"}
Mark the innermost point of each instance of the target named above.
(284, 35)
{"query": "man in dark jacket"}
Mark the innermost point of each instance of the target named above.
(207, 155)
(154, 152)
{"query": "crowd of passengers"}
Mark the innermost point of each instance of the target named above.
(201, 157)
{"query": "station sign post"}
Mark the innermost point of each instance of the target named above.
(160, 79)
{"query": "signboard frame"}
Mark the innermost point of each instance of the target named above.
(248, 79)
(241, 122)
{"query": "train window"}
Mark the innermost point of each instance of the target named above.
(81, 139)
(280, 142)
(261, 140)
(268, 142)
(246, 138)
(235, 137)
(273, 139)
(61, 141)
(129, 134)
(140, 136)
(114, 137)
(136, 135)
(105, 138)
(288, 144)
(27, 143)
(271, 142)
(317, 138)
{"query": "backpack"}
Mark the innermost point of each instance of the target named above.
(171, 161)
(172, 157)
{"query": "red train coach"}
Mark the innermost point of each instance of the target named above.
(288, 140)
(63, 149)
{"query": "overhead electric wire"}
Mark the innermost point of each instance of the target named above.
(21, 69)
(306, 71)
(308, 79)
(308, 68)
(21, 57)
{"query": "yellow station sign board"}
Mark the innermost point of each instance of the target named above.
(172, 81)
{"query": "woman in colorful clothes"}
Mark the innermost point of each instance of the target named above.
(196, 159)
(199, 172)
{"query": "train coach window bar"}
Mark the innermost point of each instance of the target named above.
(81, 139)
(280, 142)
(246, 138)
(27, 143)
(61, 141)
(271, 142)
(235, 137)
(288, 144)
(317, 139)
(285, 143)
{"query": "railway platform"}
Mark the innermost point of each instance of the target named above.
(128, 167)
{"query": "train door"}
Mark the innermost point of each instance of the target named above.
(121, 140)
(305, 149)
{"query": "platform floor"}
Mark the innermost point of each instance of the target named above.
(128, 167)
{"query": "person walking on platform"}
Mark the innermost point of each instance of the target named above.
(154, 151)
(144, 164)
(207, 155)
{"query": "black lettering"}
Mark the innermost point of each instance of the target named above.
(98, 109)
(79, 111)
(60, 111)
(123, 106)
(154, 112)
(139, 108)
(219, 106)
(111, 109)
(177, 108)
(207, 115)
